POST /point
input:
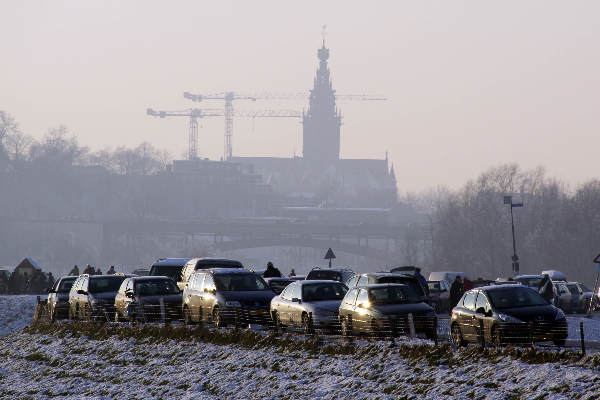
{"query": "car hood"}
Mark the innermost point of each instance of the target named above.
(393, 309)
(104, 296)
(327, 305)
(250, 298)
(534, 313)
(167, 298)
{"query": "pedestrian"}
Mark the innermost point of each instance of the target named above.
(292, 273)
(271, 271)
(74, 271)
(546, 289)
(456, 291)
(467, 284)
(98, 271)
(88, 270)
(50, 279)
(111, 270)
(422, 281)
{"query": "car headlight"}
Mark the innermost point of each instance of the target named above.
(559, 314)
(232, 303)
(509, 318)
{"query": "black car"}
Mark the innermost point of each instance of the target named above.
(139, 299)
(58, 298)
(227, 296)
(507, 313)
(278, 284)
(330, 274)
(92, 297)
(384, 309)
(170, 267)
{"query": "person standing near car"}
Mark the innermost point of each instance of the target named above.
(111, 270)
(456, 291)
(422, 281)
(271, 271)
(545, 288)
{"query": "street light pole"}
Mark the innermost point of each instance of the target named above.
(515, 257)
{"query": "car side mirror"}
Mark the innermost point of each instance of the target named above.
(480, 310)
(296, 300)
(129, 294)
(80, 291)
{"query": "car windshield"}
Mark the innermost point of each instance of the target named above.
(323, 291)
(155, 287)
(531, 282)
(513, 297)
(105, 284)
(65, 285)
(393, 295)
(325, 275)
(584, 288)
(173, 272)
(240, 282)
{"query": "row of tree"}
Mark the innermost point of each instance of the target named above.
(59, 149)
(470, 229)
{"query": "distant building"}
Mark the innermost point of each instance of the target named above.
(320, 178)
(27, 268)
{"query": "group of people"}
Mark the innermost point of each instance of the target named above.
(91, 270)
(25, 283)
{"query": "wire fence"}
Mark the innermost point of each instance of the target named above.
(575, 334)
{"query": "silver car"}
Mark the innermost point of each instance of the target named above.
(310, 305)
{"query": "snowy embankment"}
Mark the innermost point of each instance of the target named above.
(16, 312)
(70, 365)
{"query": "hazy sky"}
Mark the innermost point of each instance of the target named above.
(470, 84)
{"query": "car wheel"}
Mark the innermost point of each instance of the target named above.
(496, 338)
(346, 326)
(307, 324)
(187, 316)
(456, 336)
(217, 318)
(560, 342)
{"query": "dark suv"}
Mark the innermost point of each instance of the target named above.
(170, 267)
(195, 264)
(58, 298)
(330, 274)
(227, 296)
(92, 297)
(139, 299)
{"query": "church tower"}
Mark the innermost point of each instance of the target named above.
(322, 120)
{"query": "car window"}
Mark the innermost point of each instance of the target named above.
(65, 285)
(122, 287)
(129, 286)
(208, 283)
(469, 301)
(515, 296)
(584, 288)
(323, 291)
(482, 303)
(363, 297)
(363, 281)
(102, 284)
(352, 281)
(196, 281)
(239, 282)
(434, 286)
(393, 295)
(573, 289)
(287, 292)
(155, 287)
(297, 292)
(84, 283)
(350, 297)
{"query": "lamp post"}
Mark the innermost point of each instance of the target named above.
(515, 257)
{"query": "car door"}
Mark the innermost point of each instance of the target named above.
(360, 316)
(483, 316)
(363, 281)
(120, 298)
(295, 306)
(347, 306)
(82, 298)
(467, 317)
(283, 303)
(207, 295)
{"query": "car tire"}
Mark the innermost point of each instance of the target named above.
(307, 324)
(456, 336)
(346, 326)
(217, 318)
(187, 316)
(560, 342)
(496, 337)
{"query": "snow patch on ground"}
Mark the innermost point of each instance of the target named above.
(16, 312)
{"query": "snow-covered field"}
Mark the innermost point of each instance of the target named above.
(16, 312)
(43, 366)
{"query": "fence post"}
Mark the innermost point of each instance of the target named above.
(163, 313)
(481, 333)
(411, 325)
(582, 338)
(392, 332)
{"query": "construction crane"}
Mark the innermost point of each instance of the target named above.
(193, 114)
(229, 113)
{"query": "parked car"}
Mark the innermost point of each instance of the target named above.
(58, 298)
(532, 281)
(278, 284)
(196, 264)
(587, 298)
(388, 277)
(508, 313)
(407, 269)
(555, 275)
(309, 304)
(139, 299)
(330, 274)
(141, 272)
(506, 281)
(383, 309)
(170, 267)
(479, 282)
(92, 297)
(439, 295)
(227, 296)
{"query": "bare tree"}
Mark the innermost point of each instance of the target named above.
(17, 146)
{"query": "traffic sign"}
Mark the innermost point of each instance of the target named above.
(329, 255)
